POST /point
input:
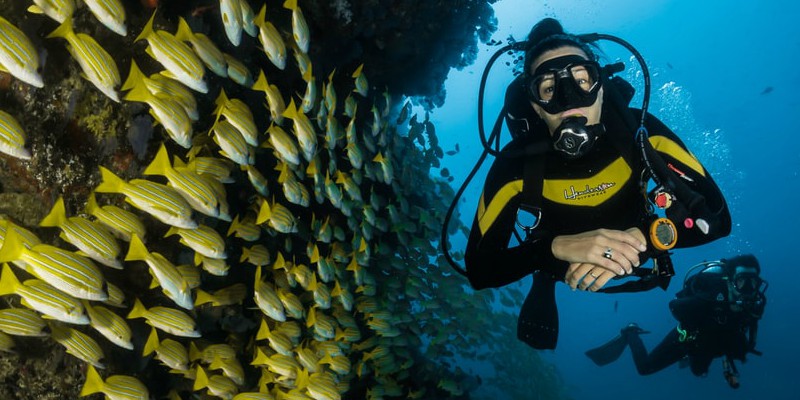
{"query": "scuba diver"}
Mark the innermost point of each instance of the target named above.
(717, 311)
(567, 198)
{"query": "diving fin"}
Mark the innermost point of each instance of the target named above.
(537, 325)
(608, 352)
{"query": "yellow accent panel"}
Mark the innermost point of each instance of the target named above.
(487, 216)
(667, 146)
(588, 191)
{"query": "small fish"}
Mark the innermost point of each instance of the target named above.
(216, 168)
(169, 111)
(245, 229)
(171, 353)
(122, 223)
(231, 369)
(180, 61)
(12, 136)
(404, 113)
(71, 273)
(274, 97)
(78, 344)
(110, 13)
(238, 71)
(303, 62)
(22, 322)
(285, 366)
(231, 13)
(110, 325)
(44, 298)
(90, 237)
(232, 144)
(97, 65)
(278, 341)
(310, 96)
(217, 385)
(767, 90)
(257, 179)
(165, 273)
(257, 255)
(202, 239)
(330, 95)
(277, 216)
(206, 50)
(239, 115)
(59, 10)
(214, 266)
(271, 40)
(248, 18)
(299, 25)
(339, 364)
(284, 145)
(160, 201)
(303, 130)
(18, 56)
(166, 319)
(320, 385)
(453, 152)
(226, 296)
(362, 87)
(116, 387)
(116, 298)
(267, 299)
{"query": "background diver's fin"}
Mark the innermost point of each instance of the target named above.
(608, 352)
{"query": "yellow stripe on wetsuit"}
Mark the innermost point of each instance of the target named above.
(664, 145)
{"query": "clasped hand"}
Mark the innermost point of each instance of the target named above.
(599, 255)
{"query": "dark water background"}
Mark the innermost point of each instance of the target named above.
(725, 78)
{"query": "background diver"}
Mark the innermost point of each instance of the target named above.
(575, 164)
(717, 311)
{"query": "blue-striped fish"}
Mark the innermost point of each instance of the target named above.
(274, 97)
(238, 71)
(197, 191)
(191, 274)
(214, 266)
(303, 130)
(71, 273)
(90, 237)
(171, 353)
(278, 341)
(179, 60)
(115, 387)
(232, 144)
(257, 179)
(267, 298)
(167, 110)
(330, 95)
(248, 18)
(110, 13)
(160, 201)
(211, 352)
(122, 223)
(97, 65)
(22, 322)
(291, 303)
(257, 255)
(109, 324)
(17, 55)
(78, 344)
(303, 61)
(245, 229)
(59, 10)
(12, 136)
(308, 358)
(203, 239)
(271, 40)
(170, 89)
(239, 115)
(283, 144)
(165, 273)
(299, 25)
(218, 168)
(204, 47)
(231, 13)
(166, 319)
(283, 365)
(310, 96)
(116, 298)
(320, 385)
(231, 368)
(217, 385)
(323, 325)
(361, 85)
(277, 216)
(233, 294)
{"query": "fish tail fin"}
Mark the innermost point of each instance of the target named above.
(263, 330)
(291, 110)
(11, 248)
(63, 31)
(171, 231)
(8, 281)
(357, 72)
(160, 164)
(203, 297)
(137, 250)
(194, 352)
(234, 225)
(152, 343)
(264, 213)
(261, 82)
(245, 254)
(261, 16)
(111, 183)
(138, 93)
(202, 379)
(184, 33)
(147, 30)
(260, 358)
(135, 77)
(57, 215)
(138, 309)
(91, 204)
(94, 383)
(290, 5)
(216, 363)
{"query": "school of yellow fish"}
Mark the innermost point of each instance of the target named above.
(338, 243)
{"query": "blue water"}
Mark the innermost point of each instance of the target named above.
(725, 78)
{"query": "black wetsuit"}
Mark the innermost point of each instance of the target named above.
(598, 190)
(712, 330)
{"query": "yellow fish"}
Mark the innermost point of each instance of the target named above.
(12, 136)
(166, 274)
(168, 320)
(17, 55)
(171, 353)
(231, 13)
(22, 322)
(122, 223)
(204, 47)
(299, 25)
(78, 344)
(274, 97)
(117, 387)
(110, 325)
(271, 40)
(44, 298)
(110, 13)
(59, 10)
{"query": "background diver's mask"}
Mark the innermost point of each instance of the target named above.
(747, 282)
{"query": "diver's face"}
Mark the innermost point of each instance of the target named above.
(591, 113)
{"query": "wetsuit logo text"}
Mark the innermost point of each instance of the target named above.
(572, 194)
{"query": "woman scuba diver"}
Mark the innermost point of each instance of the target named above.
(567, 199)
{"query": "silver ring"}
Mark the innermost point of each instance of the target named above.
(607, 254)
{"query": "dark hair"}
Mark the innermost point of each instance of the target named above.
(744, 260)
(548, 34)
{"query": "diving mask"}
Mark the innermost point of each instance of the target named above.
(564, 83)
(746, 283)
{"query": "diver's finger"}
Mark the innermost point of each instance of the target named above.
(591, 277)
(625, 237)
(575, 273)
(601, 281)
